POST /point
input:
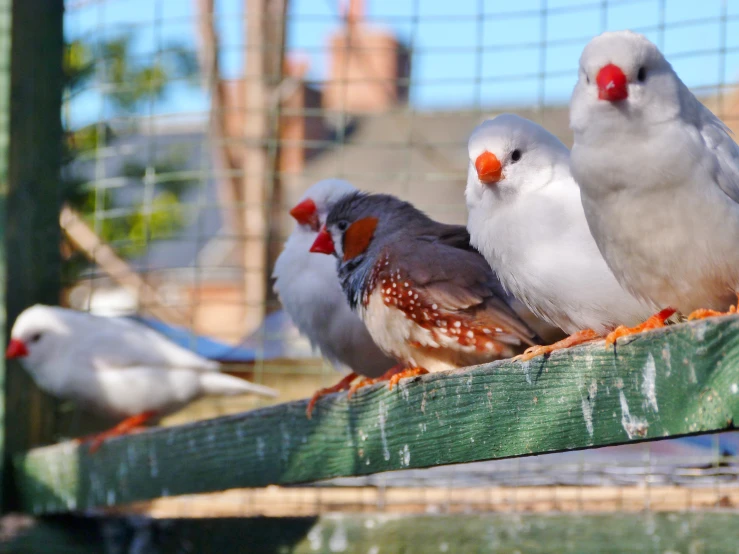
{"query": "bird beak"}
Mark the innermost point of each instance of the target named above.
(323, 244)
(488, 167)
(16, 349)
(305, 213)
(612, 83)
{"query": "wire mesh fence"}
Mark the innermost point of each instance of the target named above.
(193, 127)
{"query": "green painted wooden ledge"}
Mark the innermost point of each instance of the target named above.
(698, 532)
(671, 382)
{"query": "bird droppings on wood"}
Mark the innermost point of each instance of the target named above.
(338, 541)
(526, 367)
(667, 358)
(649, 385)
(699, 331)
(260, 448)
(315, 538)
(405, 456)
(382, 416)
(633, 425)
(587, 404)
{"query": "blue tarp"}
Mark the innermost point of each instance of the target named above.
(203, 346)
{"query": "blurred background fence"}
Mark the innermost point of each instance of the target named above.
(190, 127)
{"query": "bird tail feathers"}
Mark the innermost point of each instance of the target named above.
(219, 384)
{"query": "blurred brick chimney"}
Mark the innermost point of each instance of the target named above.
(365, 65)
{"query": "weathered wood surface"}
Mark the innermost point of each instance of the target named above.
(32, 200)
(705, 532)
(667, 383)
(317, 501)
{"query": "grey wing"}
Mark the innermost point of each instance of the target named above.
(457, 278)
(119, 343)
(717, 138)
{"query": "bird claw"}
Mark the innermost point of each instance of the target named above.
(410, 372)
(393, 376)
(131, 425)
(703, 313)
(574, 339)
(654, 322)
(361, 384)
(342, 385)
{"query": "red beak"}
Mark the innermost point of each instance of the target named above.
(323, 244)
(305, 213)
(488, 167)
(612, 83)
(16, 349)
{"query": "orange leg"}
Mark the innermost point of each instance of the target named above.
(342, 385)
(654, 322)
(410, 372)
(129, 425)
(388, 375)
(576, 338)
(704, 313)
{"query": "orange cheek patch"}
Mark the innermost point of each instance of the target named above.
(358, 237)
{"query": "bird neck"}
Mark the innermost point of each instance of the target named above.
(354, 277)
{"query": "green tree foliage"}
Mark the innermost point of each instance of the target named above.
(151, 208)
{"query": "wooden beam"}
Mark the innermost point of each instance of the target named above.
(388, 534)
(32, 236)
(98, 252)
(317, 501)
(671, 382)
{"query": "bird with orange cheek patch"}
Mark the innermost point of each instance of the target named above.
(427, 297)
(309, 290)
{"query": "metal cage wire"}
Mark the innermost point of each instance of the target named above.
(177, 121)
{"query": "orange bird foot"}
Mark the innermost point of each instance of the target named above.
(387, 376)
(580, 337)
(704, 313)
(410, 372)
(342, 385)
(654, 322)
(130, 425)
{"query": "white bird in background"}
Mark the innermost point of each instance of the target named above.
(658, 176)
(526, 218)
(115, 366)
(308, 287)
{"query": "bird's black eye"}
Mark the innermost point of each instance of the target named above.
(515, 155)
(35, 338)
(587, 79)
(342, 226)
(641, 76)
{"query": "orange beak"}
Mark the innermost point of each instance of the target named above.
(323, 244)
(488, 167)
(16, 349)
(612, 83)
(305, 213)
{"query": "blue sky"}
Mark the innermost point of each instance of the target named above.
(466, 52)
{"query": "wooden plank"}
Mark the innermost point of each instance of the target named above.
(666, 383)
(32, 236)
(375, 533)
(316, 501)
